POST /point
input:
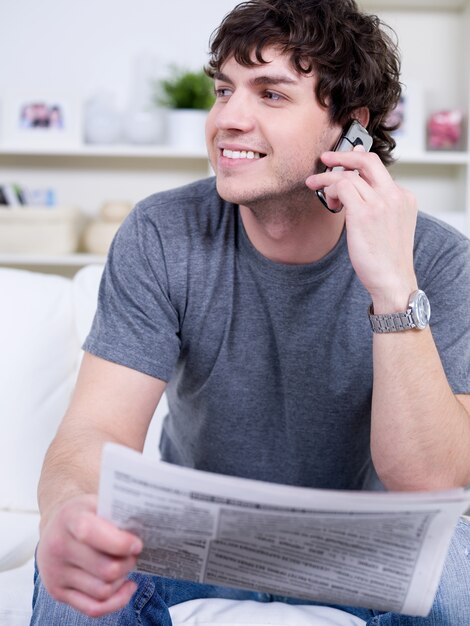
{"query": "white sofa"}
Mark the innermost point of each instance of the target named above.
(43, 321)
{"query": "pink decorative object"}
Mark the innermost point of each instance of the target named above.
(445, 130)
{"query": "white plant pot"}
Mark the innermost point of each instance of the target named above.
(186, 128)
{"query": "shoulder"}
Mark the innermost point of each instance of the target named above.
(196, 196)
(440, 247)
(178, 213)
(432, 228)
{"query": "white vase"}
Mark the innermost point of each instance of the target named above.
(102, 124)
(186, 128)
(143, 127)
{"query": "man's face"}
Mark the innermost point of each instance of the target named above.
(266, 131)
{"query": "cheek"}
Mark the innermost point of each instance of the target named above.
(210, 134)
(210, 124)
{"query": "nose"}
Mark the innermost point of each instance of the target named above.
(236, 114)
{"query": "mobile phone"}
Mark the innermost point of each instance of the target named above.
(355, 135)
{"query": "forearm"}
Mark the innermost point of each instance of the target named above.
(71, 468)
(84, 560)
(110, 403)
(420, 432)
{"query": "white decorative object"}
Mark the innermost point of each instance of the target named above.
(103, 123)
(143, 127)
(99, 235)
(100, 232)
(38, 230)
(186, 128)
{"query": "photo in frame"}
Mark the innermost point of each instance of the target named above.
(410, 117)
(40, 121)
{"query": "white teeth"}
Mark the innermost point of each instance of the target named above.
(240, 154)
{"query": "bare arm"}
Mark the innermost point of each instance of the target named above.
(420, 431)
(84, 560)
(420, 434)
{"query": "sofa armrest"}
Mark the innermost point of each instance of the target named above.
(19, 534)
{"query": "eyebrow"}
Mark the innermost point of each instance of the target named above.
(260, 80)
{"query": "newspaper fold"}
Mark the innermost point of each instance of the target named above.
(382, 551)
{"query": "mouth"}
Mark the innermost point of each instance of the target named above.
(241, 154)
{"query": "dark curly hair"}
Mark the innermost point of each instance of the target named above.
(355, 60)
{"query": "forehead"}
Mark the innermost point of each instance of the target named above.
(275, 61)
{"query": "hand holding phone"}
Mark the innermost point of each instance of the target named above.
(354, 136)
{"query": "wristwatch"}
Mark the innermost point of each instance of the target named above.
(417, 316)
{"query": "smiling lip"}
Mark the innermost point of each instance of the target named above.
(240, 154)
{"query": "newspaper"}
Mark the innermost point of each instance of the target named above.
(382, 551)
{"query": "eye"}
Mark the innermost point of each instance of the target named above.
(222, 93)
(273, 96)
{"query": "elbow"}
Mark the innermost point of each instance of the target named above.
(420, 477)
(420, 481)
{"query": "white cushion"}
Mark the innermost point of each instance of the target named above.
(19, 534)
(16, 593)
(16, 588)
(18, 538)
(85, 297)
(38, 356)
(221, 612)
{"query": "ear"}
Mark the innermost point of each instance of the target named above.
(362, 115)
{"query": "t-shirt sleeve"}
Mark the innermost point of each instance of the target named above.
(446, 281)
(136, 324)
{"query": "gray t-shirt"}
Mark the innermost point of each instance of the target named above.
(269, 366)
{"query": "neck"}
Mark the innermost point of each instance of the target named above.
(292, 236)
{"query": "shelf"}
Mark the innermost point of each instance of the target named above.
(64, 260)
(108, 151)
(434, 158)
(167, 152)
(438, 5)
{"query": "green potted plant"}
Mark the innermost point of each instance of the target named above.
(186, 90)
(187, 95)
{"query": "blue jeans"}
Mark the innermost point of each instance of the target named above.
(149, 604)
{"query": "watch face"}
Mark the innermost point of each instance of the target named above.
(421, 310)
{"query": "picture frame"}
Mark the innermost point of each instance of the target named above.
(410, 136)
(40, 121)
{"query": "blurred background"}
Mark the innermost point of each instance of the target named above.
(102, 103)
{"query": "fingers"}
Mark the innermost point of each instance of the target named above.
(84, 560)
(92, 586)
(101, 535)
(354, 179)
(107, 568)
(368, 164)
(96, 608)
(380, 219)
(344, 188)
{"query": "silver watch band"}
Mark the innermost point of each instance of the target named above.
(391, 322)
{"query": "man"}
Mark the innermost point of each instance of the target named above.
(247, 301)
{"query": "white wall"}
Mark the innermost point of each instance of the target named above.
(78, 47)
